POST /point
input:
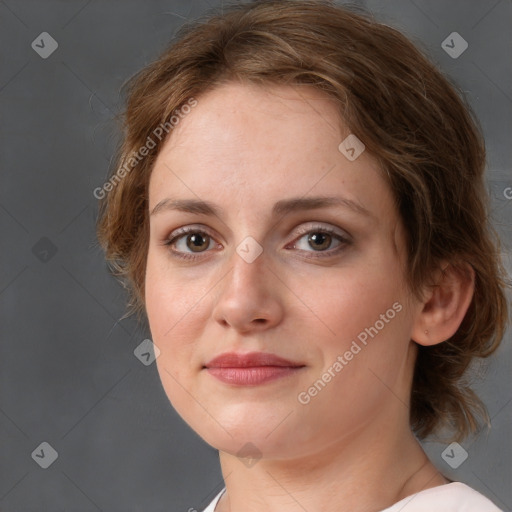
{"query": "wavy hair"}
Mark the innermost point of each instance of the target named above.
(411, 118)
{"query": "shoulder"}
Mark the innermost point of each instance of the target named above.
(454, 497)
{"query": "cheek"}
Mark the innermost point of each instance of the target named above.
(353, 299)
(175, 313)
(365, 321)
(174, 310)
(171, 301)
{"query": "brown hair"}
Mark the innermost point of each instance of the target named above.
(410, 118)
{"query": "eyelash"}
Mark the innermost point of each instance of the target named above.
(181, 232)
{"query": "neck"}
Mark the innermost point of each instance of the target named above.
(365, 472)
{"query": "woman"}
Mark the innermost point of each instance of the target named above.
(299, 209)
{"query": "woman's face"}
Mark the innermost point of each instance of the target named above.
(276, 269)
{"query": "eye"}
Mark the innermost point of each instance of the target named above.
(191, 242)
(188, 241)
(320, 240)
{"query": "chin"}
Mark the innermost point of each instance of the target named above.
(244, 439)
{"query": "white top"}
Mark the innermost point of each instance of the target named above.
(454, 497)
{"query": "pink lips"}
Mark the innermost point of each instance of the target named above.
(250, 369)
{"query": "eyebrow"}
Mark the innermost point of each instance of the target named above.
(282, 207)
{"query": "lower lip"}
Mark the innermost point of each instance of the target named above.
(252, 376)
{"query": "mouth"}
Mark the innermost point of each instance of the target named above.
(251, 369)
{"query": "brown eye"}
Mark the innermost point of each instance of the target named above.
(190, 242)
(319, 241)
(197, 242)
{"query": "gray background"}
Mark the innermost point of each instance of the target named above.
(69, 376)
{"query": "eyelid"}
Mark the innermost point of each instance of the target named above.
(183, 230)
(316, 226)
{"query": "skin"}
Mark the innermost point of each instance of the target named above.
(244, 148)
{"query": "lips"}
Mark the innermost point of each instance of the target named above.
(253, 359)
(251, 369)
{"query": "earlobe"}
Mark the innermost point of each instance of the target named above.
(445, 305)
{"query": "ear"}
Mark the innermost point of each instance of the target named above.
(444, 305)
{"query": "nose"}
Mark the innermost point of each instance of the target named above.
(249, 297)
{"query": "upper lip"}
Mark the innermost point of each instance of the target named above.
(234, 360)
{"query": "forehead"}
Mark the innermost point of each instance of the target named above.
(251, 119)
(252, 145)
